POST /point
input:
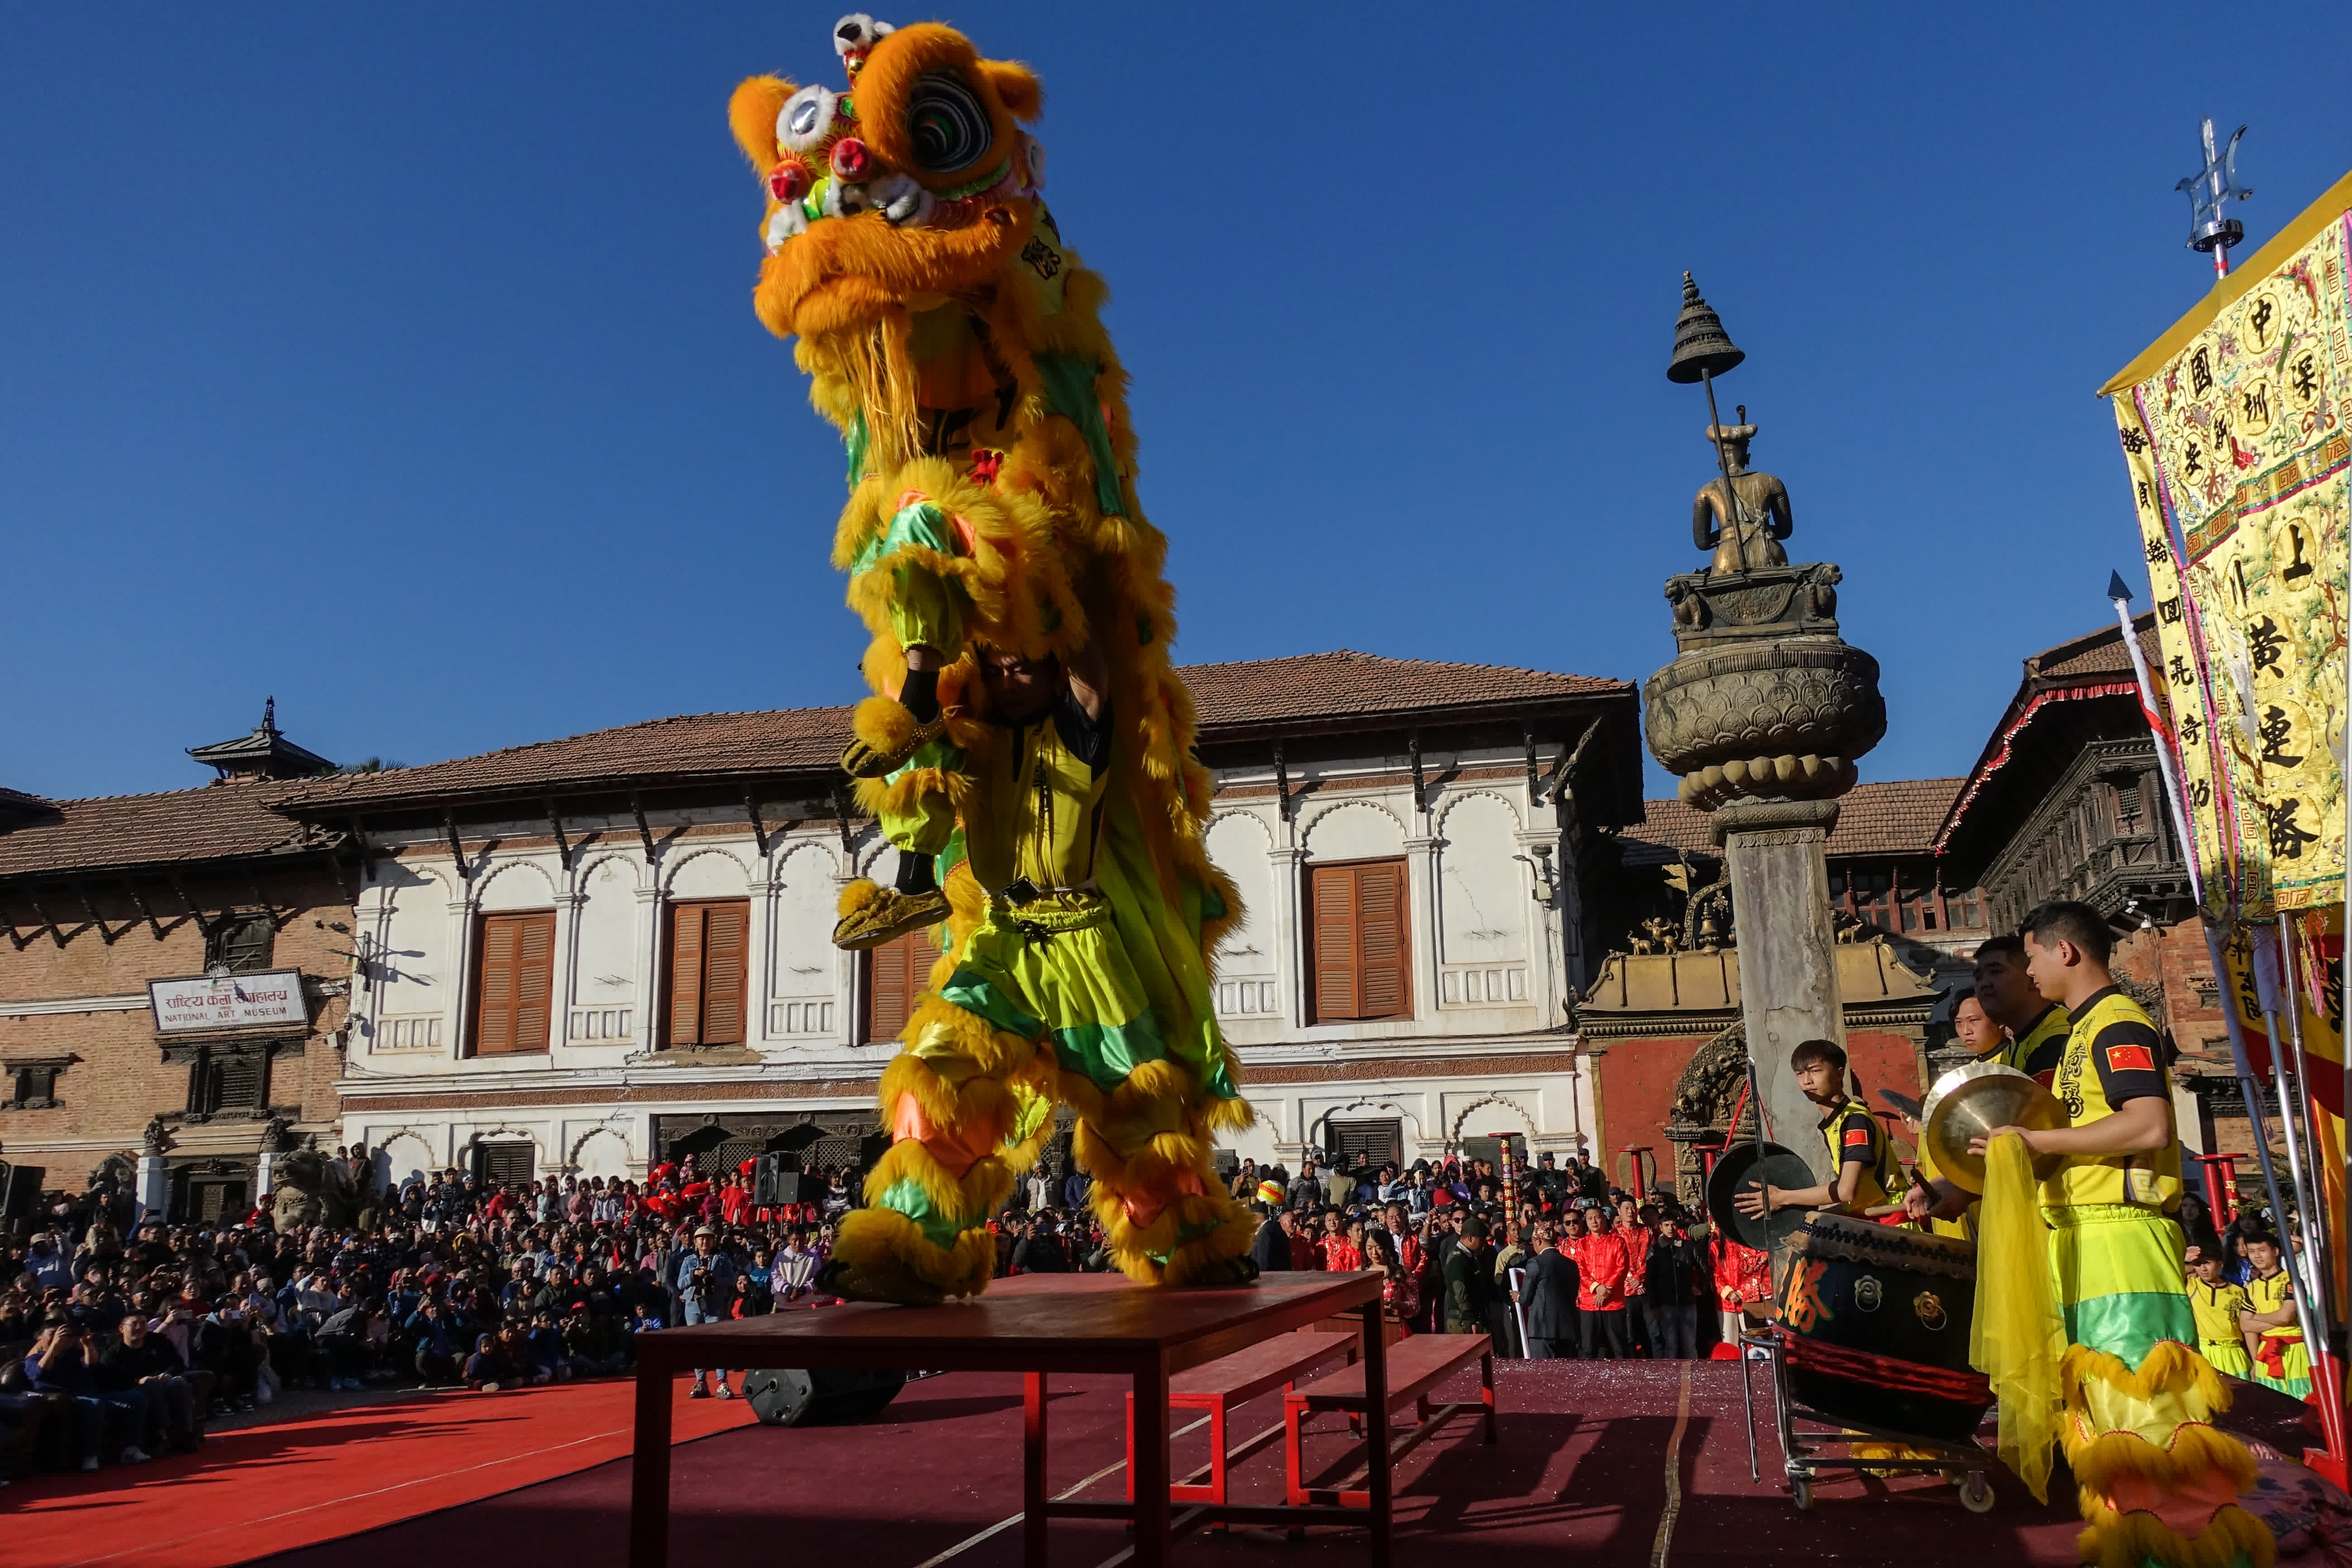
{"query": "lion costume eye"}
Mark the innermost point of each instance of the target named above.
(948, 124)
(805, 119)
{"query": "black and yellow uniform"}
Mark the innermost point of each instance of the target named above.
(2282, 1359)
(2039, 1050)
(1855, 1138)
(2113, 1057)
(2219, 1336)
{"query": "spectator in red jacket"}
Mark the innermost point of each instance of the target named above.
(1601, 1269)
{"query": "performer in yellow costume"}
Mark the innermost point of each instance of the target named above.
(1029, 749)
(1864, 1177)
(2097, 1354)
(2218, 1305)
(2282, 1359)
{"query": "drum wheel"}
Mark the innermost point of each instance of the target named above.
(1976, 1492)
(1802, 1494)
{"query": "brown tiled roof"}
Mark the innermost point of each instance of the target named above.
(2099, 654)
(216, 822)
(1328, 685)
(787, 739)
(1896, 816)
(2078, 667)
(1229, 697)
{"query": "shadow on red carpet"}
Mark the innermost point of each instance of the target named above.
(271, 1489)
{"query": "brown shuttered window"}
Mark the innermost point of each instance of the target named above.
(514, 982)
(1362, 962)
(709, 961)
(895, 974)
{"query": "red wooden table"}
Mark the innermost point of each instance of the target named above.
(1035, 1324)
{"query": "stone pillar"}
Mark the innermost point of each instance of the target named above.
(154, 1186)
(264, 1166)
(1788, 953)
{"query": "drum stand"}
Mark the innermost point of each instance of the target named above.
(1966, 1464)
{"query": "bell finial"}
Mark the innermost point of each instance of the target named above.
(1702, 348)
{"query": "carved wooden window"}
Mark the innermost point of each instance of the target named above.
(709, 968)
(225, 1083)
(33, 1085)
(507, 1163)
(1381, 1142)
(895, 974)
(514, 982)
(239, 942)
(1361, 942)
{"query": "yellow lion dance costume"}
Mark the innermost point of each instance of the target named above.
(995, 551)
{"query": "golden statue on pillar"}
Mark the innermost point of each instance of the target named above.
(1740, 515)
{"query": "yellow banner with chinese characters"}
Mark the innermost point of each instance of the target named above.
(2239, 451)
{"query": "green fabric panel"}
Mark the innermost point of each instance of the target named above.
(976, 994)
(2293, 1387)
(929, 826)
(921, 523)
(2128, 1327)
(1106, 1053)
(1163, 938)
(909, 1198)
(1070, 388)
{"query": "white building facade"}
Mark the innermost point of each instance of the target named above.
(594, 954)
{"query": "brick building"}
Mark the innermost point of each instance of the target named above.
(595, 953)
(1659, 1025)
(100, 898)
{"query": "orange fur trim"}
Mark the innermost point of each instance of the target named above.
(751, 114)
(2193, 1451)
(920, 49)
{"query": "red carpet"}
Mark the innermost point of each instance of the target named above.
(264, 1489)
(1582, 1473)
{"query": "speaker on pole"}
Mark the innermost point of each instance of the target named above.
(20, 1190)
(819, 1396)
(775, 1183)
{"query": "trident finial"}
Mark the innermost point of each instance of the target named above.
(2210, 188)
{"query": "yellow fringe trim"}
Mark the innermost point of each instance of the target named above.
(992, 1052)
(2193, 1451)
(2172, 1368)
(856, 896)
(888, 1255)
(883, 723)
(2137, 1539)
(902, 795)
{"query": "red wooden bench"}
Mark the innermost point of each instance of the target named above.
(1416, 1366)
(1225, 1385)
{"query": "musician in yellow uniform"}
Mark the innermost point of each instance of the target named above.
(2158, 1484)
(1985, 1040)
(2036, 1029)
(2218, 1305)
(2282, 1359)
(1864, 1177)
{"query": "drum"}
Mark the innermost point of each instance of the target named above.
(1878, 1321)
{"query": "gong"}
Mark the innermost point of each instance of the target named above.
(1742, 1166)
(1969, 1102)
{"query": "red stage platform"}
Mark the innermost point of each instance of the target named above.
(1611, 1464)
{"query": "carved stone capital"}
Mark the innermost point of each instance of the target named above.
(1776, 817)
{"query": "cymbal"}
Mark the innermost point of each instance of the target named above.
(1743, 1165)
(1970, 1102)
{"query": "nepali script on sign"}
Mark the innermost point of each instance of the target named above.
(228, 1002)
(2233, 428)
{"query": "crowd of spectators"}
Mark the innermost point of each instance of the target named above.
(1592, 1272)
(121, 1342)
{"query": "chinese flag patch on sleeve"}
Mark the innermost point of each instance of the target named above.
(1857, 1137)
(2130, 1058)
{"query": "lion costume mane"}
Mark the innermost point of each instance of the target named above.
(952, 336)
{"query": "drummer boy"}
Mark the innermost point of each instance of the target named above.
(1866, 1179)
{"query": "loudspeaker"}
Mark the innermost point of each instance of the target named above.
(773, 1183)
(20, 1190)
(819, 1396)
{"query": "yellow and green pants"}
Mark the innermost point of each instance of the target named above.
(2159, 1483)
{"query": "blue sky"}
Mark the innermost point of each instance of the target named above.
(399, 361)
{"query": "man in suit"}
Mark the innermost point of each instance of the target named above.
(1548, 1297)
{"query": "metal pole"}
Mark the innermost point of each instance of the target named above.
(2299, 1282)
(2311, 1191)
